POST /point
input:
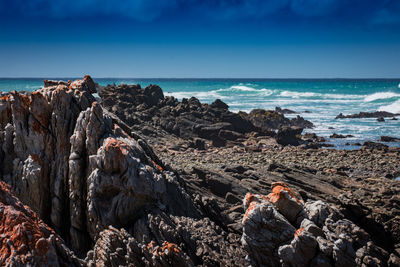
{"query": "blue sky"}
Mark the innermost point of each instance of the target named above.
(200, 38)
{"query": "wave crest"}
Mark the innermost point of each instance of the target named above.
(380, 95)
(393, 108)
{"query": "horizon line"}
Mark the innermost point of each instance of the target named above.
(213, 78)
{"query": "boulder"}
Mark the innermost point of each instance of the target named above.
(288, 136)
(323, 237)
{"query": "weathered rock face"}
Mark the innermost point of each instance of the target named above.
(80, 171)
(117, 248)
(323, 236)
(25, 240)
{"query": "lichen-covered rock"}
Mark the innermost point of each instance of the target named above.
(77, 168)
(118, 248)
(325, 237)
(25, 240)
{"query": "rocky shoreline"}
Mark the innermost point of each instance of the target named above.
(134, 178)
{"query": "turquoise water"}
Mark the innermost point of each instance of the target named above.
(324, 99)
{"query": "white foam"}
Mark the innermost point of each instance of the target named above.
(243, 88)
(297, 95)
(394, 107)
(380, 95)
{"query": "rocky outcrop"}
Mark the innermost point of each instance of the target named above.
(25, 240)
(83, 171)
(268, 119)
(281, 229)
(109, 198)
(375, 114)
(389, 139)
(189, 119)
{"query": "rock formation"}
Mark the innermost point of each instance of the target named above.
(189, 118)
(99, 195)
(281, 230)
(76, 166)
(25, 240)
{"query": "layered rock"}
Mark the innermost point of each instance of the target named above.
(82, 170)
(25, 240)
(73, 165)
(324, 237)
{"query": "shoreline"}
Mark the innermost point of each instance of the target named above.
(182, 183)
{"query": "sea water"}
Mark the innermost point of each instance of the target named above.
(319, 101)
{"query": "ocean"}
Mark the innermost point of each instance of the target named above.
(319, 101)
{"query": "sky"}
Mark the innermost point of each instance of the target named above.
(200, 38)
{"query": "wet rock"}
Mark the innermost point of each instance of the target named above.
(389, 139)
(284, 111)
(380, 119)
(340, 136)
(376, 114)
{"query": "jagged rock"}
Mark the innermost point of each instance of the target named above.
(264, 230)
(300, 251)
(77, 168)
(118, 248)
(218, 103)
(270, 239)
(25, 240)
(188, 119)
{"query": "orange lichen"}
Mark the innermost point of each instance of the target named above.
(115, 144)
(298, 232)
(20, 230)
(35, 158)
(75, 84)
(165, 249)
(5, 98)
(279, 191)
(251, 207)
(249, 198)
(157, 166)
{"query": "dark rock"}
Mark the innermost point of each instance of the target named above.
(218, 141)
(380, 119)
(232, 199)
(284, 111)
(237, 169)
(288, 135)
(374, 145)
(199, 144)
(376, 114)
(219, 104)
(389, 139)
(229, 135)
(394, 119)
(334, 135)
